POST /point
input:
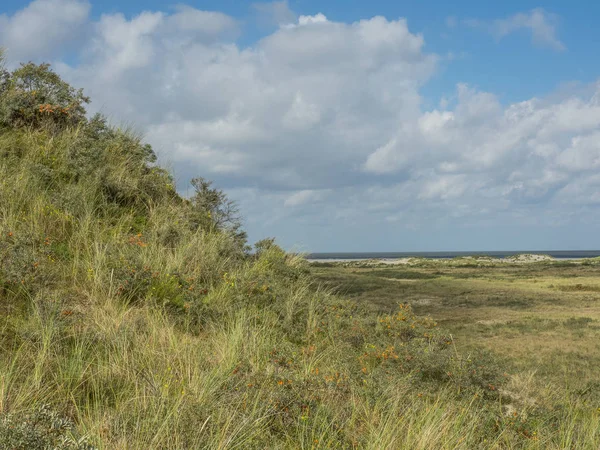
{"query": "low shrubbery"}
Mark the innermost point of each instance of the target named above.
(41, 430)
(144, 318)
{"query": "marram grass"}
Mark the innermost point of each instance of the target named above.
(130, 320)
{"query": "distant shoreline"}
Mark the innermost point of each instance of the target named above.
(495, 255)
(403, 260)
(521, 258)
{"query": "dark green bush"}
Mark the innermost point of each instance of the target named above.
(43, 429)
(35, 96)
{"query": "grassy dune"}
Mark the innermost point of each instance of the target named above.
(132, 318)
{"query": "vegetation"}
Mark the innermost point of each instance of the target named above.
(541, 319)
(133, 318)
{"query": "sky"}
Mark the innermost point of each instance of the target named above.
(352, 125)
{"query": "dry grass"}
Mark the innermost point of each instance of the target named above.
(148, 332)
(543, 317)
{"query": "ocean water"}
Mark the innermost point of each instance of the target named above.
(558, 254)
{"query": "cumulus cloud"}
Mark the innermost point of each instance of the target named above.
(295, 111)
(321, 122)
(480, 150)
(42, 28)
(278, 13)
(205, 25)
(541, 24)
(307, 20)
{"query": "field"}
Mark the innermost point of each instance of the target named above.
(542, 319)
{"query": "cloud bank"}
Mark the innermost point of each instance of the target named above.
(321, 122)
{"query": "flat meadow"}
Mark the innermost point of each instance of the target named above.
(542, 318)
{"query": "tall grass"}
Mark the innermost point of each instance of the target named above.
(147, 330)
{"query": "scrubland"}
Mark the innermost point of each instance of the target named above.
(539, 321)
(134, 318)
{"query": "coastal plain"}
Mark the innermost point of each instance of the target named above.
(539, 315)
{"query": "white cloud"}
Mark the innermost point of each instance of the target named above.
(583, 155)
(42, 28)
(302, 197)
(277, 12)
(203, 24)
(301, 115)
(542, 25)
(309, 20)
(481, 152)
(326, 119)
(126, 44)
(295, 111)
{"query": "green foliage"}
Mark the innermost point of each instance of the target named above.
(214, 209)
(264, 245)
(41, 430)
(35, 96)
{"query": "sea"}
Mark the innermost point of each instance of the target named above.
(353, 256)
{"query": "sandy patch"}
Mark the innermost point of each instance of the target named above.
(492, 322)
(527, 258)
(424, 301)
(399, 261)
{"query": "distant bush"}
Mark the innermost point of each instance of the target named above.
(578, 287)
(216, 209)
(578, 322)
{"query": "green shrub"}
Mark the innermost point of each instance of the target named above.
(43, 429)
(35, 96)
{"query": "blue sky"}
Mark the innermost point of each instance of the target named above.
(475, 54)
(353, 125)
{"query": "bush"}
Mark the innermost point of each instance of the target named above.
(43, 429)
(35, 96)
(214, 209)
